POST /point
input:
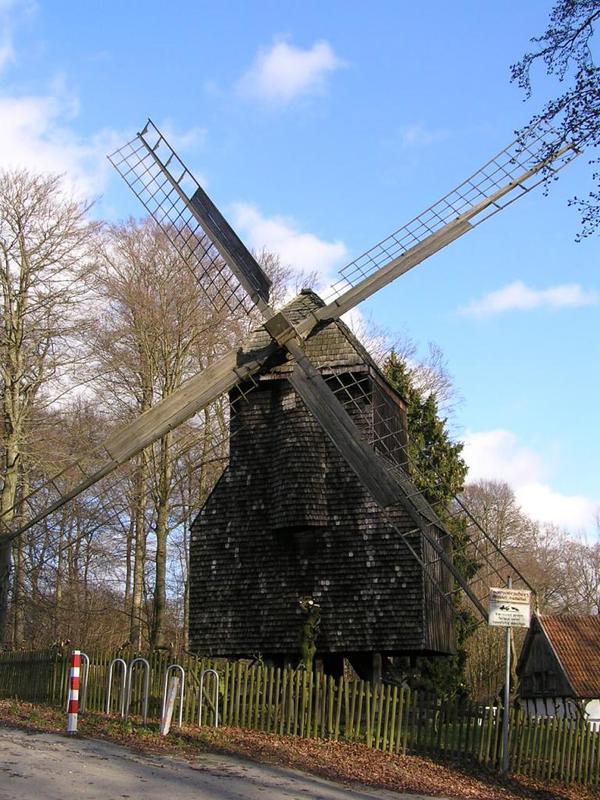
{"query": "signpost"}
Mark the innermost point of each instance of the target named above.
(509, 608)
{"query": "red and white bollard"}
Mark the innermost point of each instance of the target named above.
(73, 707)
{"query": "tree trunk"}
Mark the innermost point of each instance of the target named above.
(58, 584)
(128, 556)
(17, 594)
(18, 600)
(8, 497)
(139, 551)
(162, 529)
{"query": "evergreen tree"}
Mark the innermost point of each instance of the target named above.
(435, 462)
(438, 470)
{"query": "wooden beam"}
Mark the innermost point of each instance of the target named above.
(243, 265)
(373, 283)
(191, 397)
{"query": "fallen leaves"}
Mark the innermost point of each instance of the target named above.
(338, 761)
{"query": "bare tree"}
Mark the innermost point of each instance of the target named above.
(565, 48)
(563, 570)
(45, 242)
(159, 330)
(581, 577)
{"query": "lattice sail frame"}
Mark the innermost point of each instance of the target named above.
(166, 187)
(534, 157)
(107, 500)
(355, 392)
(100, 473)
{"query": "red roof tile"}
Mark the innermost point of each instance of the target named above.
(576, 642)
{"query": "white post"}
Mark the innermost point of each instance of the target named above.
(172, 669)
(169, 705)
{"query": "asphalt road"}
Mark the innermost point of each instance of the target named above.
(43, 766)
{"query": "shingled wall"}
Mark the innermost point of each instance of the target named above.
(288, 518)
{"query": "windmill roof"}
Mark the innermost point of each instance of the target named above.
(575, 641)
(331, 346)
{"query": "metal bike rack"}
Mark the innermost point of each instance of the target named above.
(83, 683)
(215, 696)
(146, 665)
(111, 668)
(173, 668)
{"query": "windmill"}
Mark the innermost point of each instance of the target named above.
(232, 279)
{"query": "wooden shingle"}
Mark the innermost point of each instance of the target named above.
(289, 519)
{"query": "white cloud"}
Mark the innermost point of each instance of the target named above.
(498, 455)
(573, 512)
(284, 72)
(35, 134)
(304, 252)
(417, 135)
(519, 297)
(11, 13)
(38, 131)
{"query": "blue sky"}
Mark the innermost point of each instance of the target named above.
(320, 127)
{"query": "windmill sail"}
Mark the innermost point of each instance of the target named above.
(203, 237)
(231, 278)
(533, 158)
(158, 177)
(354, 393)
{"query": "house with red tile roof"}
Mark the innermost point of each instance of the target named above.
(559, 667)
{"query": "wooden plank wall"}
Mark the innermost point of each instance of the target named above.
(295, 703)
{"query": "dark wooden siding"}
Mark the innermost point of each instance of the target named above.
(289, 518)
(540, 673)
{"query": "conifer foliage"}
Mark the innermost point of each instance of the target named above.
(437, 468)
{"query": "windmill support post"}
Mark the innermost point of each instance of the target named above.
(505, 718)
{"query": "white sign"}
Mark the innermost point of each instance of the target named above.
(509, 608)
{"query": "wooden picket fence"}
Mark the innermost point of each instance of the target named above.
(296, 703)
